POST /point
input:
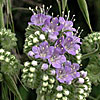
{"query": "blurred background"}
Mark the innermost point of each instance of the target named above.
(21, 17)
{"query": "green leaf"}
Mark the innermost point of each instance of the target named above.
(64, 5)
(9, 14)
(12, 86)
(4, 91)
(59, 5)
(84, 8)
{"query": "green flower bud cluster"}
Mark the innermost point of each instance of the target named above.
(7, 39)
(89, 42)
(9, 64)
(93, 69)
(91, 45)
(47, 81)
(83, 88)
(29, 75)
(33, 39)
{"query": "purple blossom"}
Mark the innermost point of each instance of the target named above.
(59, 45)
(38, 19)
(67, 73)
(67, 25)
(56, 59)
(52, 27)
(42, 51)
(71, 43)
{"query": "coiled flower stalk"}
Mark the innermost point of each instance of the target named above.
(7, 39)
(91, 50)
(9, 63)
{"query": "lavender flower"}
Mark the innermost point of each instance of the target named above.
(38, 19)
(42, 51)
(56, 59)
(51, 26)
(67, 73)
(71, 43)
(67, 25)
(59, 45)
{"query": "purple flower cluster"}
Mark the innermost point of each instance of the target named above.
(61, 34)
(68, 72)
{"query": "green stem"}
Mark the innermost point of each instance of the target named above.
(1, 16)
(91, 53)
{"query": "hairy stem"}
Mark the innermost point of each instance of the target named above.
(91, 53)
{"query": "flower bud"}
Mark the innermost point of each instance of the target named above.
(64, 98)
(45, 77)
(7, 53)
(80, 97)
(7, 59)
(30, 80)
(2, 51)
(25, 70)
(32, 69)
(78, 61)
(51, 80)
(29, 43)
(90, 40)
(95, 38)
(1, 57)
(26, 64)
(98, 37)
(81, 91)
(53, 72)
(42, 37)
(37, 33)
(50, 86)
(24, 76)
(79, 56)
(44, 66)
(1, 33)
(44, 89)
(83, 73)
(30, 75)
(59, 95)
(34, 63)
(87, 79)
(85, 94)
(59, 88)
(35, 40)
(31, 36)
(45, 84)
(80, 80)
(66, 92)
(30, 53)
(85, 87)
